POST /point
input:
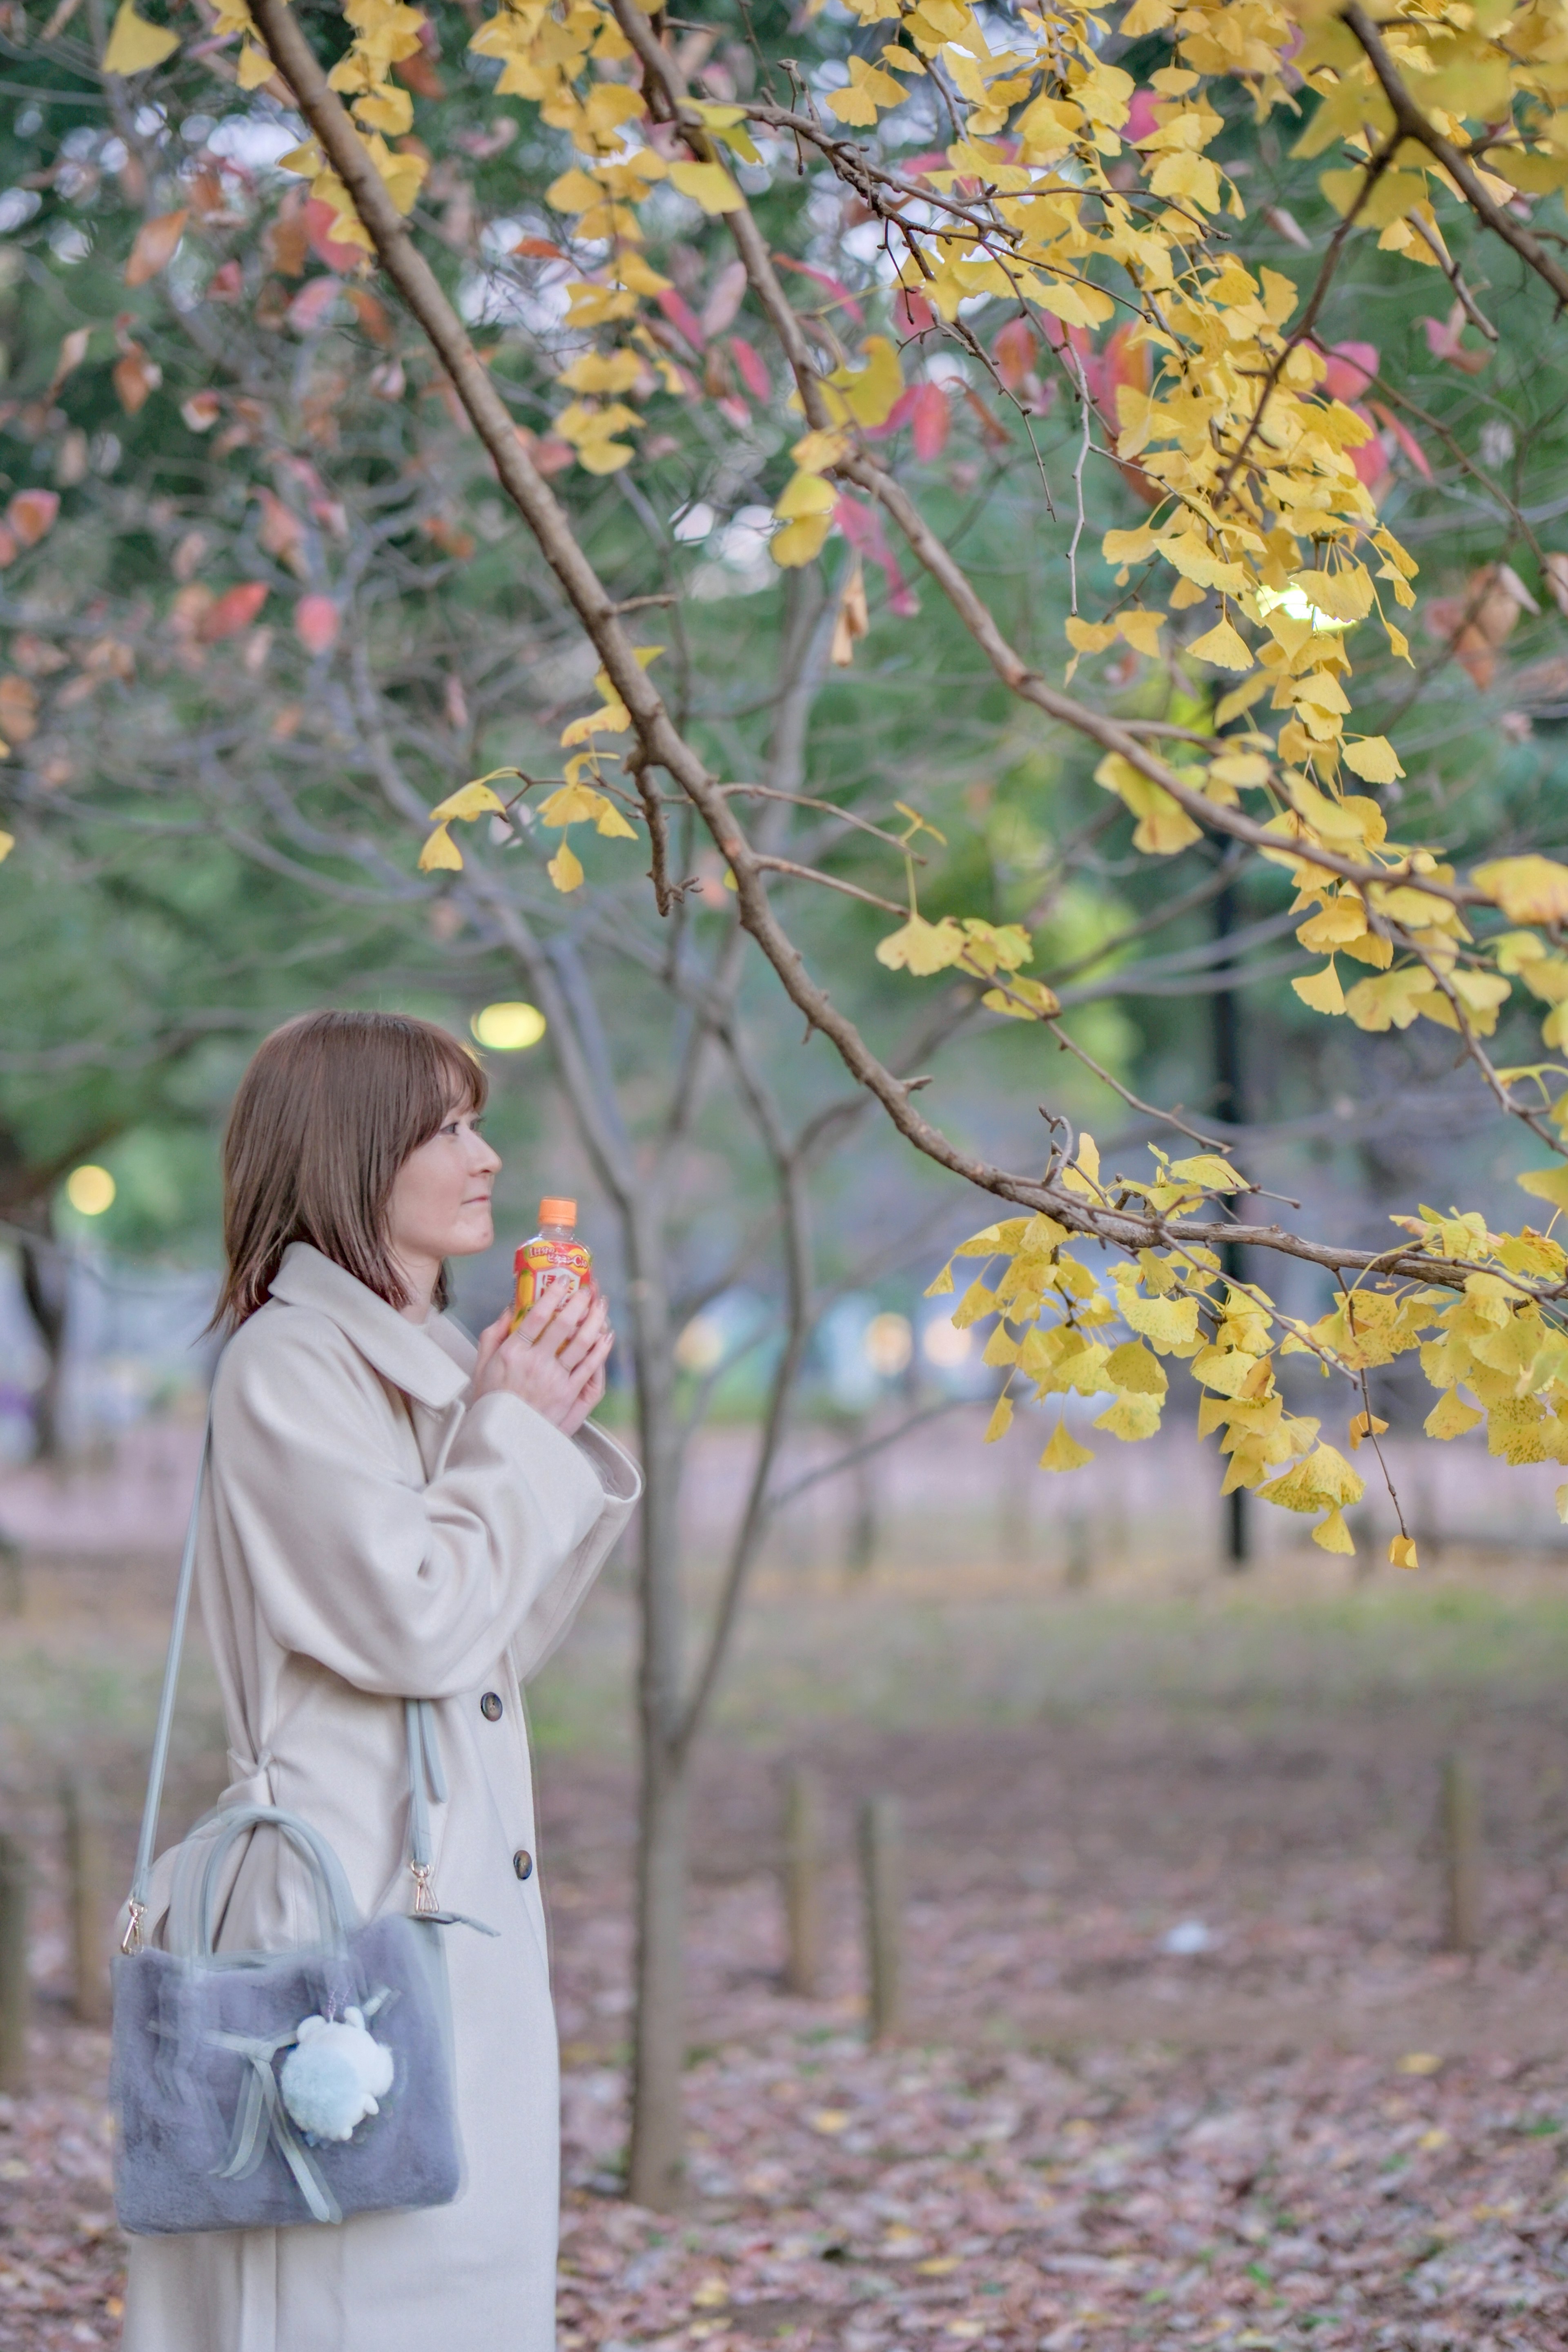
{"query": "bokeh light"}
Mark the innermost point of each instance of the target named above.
(945, 1346)
(700, 1346)
(91, 1191)
(508, 1028)
(889, 1344)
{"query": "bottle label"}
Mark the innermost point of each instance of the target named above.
(550, 1266)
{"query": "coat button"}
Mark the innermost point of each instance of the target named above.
(490, 1707)
(523, 1863)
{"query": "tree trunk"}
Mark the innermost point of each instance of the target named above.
(655, 2164)
(44, 1276)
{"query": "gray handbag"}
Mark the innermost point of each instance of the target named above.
(253, 2090)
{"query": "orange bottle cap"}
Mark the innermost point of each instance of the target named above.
(558, 1212)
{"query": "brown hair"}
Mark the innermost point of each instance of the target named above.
(330, 1108)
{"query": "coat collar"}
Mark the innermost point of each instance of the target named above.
(430, 1362)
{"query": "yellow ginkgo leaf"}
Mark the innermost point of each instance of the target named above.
(470, 801)
(1450, 1416)
(1546, 1184)
(1333, 1534)
(440, 853)
(920, 947)
(1064, 1453)
(1402, 1552)
(1223, 647)
(8, 843)
(707, 184)
(799, 542)
(872, 391)
(256, 68)
(565, 869)
(1322, 989)
(1374, 759)
(573, 804)
(1001, 1420)
(1528, 889)
(135, 45)
(937, 1289)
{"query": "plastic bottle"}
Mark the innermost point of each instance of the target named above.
(551, 1259)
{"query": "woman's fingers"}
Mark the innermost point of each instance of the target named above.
(562, 1309)
(576, 1348)
(592, 1365)
(490, 1338)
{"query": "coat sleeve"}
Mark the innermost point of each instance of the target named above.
(404, 1590)
(548, 1622)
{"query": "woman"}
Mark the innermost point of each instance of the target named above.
(390, 1513)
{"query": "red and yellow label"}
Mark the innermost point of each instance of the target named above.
(543, 1266)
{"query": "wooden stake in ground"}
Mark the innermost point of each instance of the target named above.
(12, 1590)
(803, 1881)
(91, 1904)
(1461, 1830)
(882, 1875)
(16, 1992)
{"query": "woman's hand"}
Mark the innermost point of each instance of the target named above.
(555, 1359)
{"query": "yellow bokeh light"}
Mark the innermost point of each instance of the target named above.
(508, 1028)
(889, 1344)
(91, 1191)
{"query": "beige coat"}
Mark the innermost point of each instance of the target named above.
(369, 1534)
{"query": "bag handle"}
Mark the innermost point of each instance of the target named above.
(424, 1768)
(193, 1905)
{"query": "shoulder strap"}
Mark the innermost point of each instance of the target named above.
(166, 1699)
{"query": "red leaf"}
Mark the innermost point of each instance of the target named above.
(31, 515)
(681, 316)
(1443, 341)
(1351, 368)
(538, 248)
(1371, 460)
(227, 283)
(1140, 116)
(201, 411)
(726, 299)
(282, 533)
(309, 311)
(913, 312)
(417, 73)
(235, 610)
(1014, 353)
(9, 550)
(135, 375)
(317, 621)
(318, 220)
(930, 420)
(752, 367)
(862, 526)
(155, 247)
(372, 316)
(1406, 440)
(835, 285)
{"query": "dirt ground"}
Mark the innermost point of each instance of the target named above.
(1183, 2060)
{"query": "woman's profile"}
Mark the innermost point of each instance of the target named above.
(389, 1513)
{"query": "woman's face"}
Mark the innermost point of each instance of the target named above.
(440, 1204)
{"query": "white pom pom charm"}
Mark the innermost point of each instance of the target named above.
(334, 2076)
